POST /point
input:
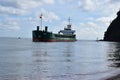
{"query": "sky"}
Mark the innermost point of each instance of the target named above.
(90, 18)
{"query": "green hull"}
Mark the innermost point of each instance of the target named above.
(44, 36)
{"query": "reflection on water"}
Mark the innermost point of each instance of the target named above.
(114, 55)
(53, 61)
(21, 59)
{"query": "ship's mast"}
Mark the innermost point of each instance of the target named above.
(69, 20)
(41, 16)
(69, 25)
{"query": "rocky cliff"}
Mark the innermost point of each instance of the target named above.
(113, 31)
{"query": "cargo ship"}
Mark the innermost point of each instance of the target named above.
(66, 35)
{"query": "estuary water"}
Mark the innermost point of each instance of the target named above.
(22, 59)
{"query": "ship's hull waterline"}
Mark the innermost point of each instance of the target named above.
(44, 36)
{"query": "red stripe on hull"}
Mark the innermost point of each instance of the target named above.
(51, 40)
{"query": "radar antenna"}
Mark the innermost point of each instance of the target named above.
(69, 20)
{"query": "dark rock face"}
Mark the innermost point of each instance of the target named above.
(113, 31)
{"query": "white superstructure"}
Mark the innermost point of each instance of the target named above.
(67, 30)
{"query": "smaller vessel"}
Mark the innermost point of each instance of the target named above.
(66, 35)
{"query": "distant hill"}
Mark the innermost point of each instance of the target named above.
(113, 31)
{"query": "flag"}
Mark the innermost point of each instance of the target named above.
(41, 16)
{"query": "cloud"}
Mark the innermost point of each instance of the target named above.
(16, 7)
(48, 15)
(28, 4)
(9, 3)
(105, 6)
(9, 8)
(91, 30)
(66, 1)
(9, 24)
(114, 1)
(105, 20)
(111, 9)
(20, 7)
(11, 11)
(94, 27)
(103, 12)
(86, 5)
(49, 1)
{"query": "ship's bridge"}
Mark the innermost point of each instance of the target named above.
(67, 30)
